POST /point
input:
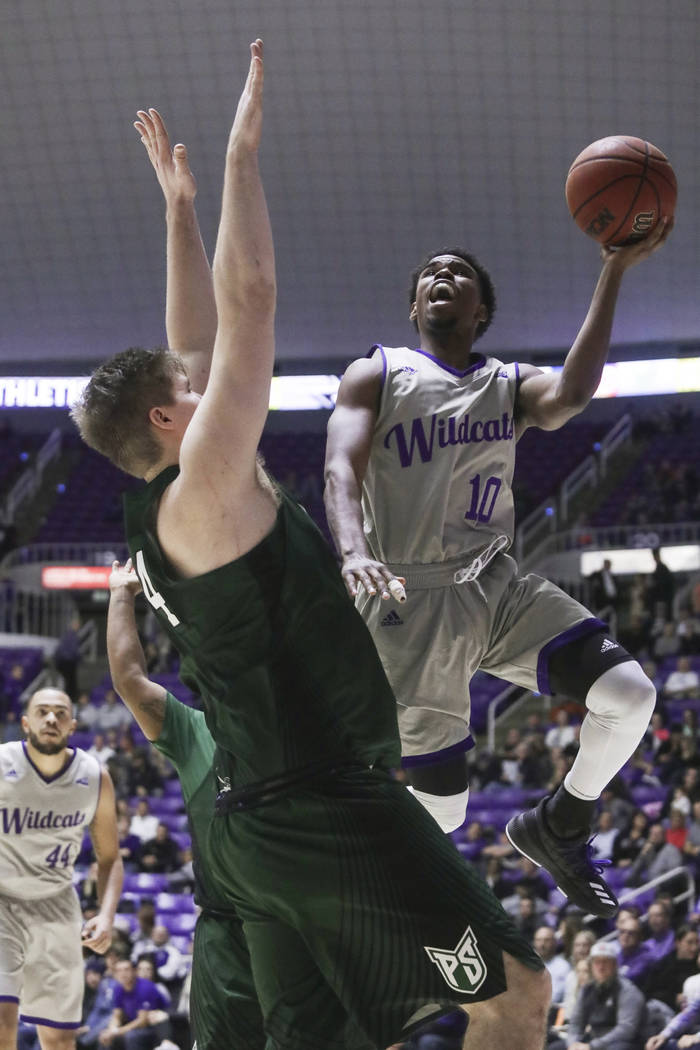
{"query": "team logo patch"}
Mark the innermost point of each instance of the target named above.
(607, 645)
(82, 780)
(392, 619)
(463, 969)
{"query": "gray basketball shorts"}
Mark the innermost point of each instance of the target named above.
(432, 644)
(41, 958)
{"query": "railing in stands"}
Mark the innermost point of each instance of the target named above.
(545, 519)
(28, 483)
(688, 894)
(510, 693)
(25, 612)
(80, 552)
(607, 537)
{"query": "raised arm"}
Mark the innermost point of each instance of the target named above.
(350, 431)
(190, 307)
(223, 435)
(97, 932)
(127, 665)
(549, 400)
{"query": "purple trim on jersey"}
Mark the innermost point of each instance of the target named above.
(517, 371)
(431, 757)
(378, 346)
(48, 780)
(479, 363)
(9, 999)
(49, 1024)
(579, 630)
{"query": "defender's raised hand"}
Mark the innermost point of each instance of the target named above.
(247, 124)
(171, 165)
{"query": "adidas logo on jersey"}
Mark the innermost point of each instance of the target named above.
(82, 780)
(392, 619)
(11, 773)
(607, 645)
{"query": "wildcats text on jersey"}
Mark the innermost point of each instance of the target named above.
(448, 432)
(18, 820)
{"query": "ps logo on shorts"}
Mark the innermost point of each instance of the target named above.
(463, 969)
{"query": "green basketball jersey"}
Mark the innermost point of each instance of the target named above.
(187, 742)
(286, 669)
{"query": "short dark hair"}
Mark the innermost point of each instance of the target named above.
(112, 412)
(488, 293)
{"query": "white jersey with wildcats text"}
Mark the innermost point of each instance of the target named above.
(42, 821)
(439, 477)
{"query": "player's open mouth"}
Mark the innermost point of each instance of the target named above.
(442, 291)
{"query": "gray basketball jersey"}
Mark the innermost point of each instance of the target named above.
(440, 472)
(43, 821)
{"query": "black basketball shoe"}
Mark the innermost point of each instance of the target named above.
(569, 861)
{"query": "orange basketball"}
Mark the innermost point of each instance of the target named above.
(618, 188)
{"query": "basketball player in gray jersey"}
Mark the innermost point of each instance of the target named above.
(50, 794)
(419, 469)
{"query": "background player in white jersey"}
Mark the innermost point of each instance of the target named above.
(50, 794)
(420, 458)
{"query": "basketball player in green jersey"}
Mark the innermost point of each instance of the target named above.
(419, 466)
(224, 1004)
(354, 905)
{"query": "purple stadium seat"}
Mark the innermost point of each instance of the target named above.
(172, 788)
(174, 904)
(179, 924)
(145, 882)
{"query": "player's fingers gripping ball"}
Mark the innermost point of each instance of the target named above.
(619, 188)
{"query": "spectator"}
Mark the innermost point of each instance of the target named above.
(667, 643)
(683, 684)
(689, 723)
(11, 729)
(634, 957)
(677, 832)
(101, 750)
(657, 857)
(129, 844)
(66, 657)
(182, 880)
(85, 713)
(674, 1031)
(663, 586)
(102, 980)
(525, 915)
(688, 631)
(692, 842)
(629, 843)
(609, 1012)
(171, 965)
(651, 670)
(604, 838)
(661, 938)
(146, 920)
(144, 824)
(493, 876)
(112, 714)
(545, 944)
(144, 778)
(605, 594)
(664, 981)
(146, 967)
(580, 972)
(161, 854)
(140, 1019)
(561, 733)
(617, 799)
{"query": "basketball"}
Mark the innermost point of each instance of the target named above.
(618, 188)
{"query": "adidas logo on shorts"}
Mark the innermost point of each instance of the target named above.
(607, 645)
(392, 619)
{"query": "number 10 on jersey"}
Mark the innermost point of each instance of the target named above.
(482, 500)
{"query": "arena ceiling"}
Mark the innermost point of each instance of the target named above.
(391, 127)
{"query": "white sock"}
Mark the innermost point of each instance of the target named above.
(449, 811)
(619, 704)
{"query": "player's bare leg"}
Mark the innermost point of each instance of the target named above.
(9, 1014)
(517, 1017)
(55, 1038)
